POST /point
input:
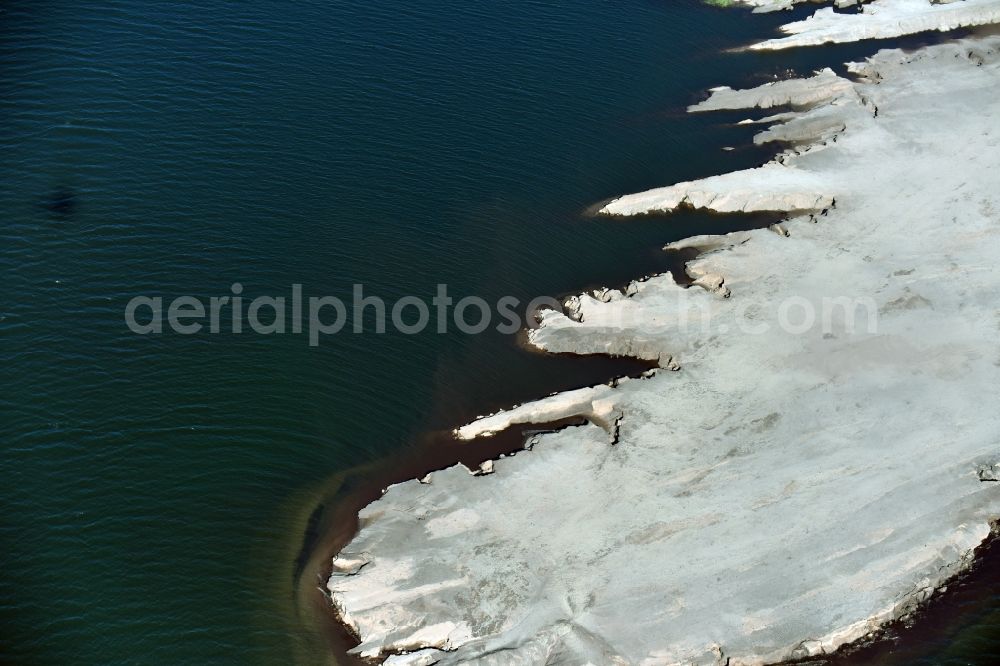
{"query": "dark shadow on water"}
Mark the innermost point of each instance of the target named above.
(61, 203)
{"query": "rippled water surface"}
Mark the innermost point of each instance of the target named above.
(156, 489)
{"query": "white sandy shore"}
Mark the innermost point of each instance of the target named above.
(880, 19)
(785, 492)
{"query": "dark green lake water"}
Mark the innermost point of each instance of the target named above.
(156, 488)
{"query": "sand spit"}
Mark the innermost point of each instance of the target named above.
(828, 104)
(792, 487)
(762, 6)
(878, 19)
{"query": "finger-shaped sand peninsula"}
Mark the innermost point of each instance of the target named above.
(878, 19)
(817, 453)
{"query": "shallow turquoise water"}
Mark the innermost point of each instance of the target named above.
(155, 488)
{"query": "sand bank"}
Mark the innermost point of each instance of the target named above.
(879, 19)
(792, 487)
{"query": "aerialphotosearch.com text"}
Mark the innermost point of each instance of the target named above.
(319, 316)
